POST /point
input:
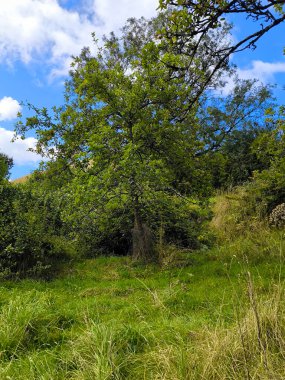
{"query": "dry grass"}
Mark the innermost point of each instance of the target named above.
(21, 179)
(253, 348)
(234, 213)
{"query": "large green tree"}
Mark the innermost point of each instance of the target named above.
(126, 127)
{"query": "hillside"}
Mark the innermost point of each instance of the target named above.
(107, 318)
(21, 179)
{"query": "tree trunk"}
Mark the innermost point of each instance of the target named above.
(143, 244)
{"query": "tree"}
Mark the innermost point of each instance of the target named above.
(229, 126)
(6, 163)
(269, 146)
(126, 127)
(33, 237)
(192, 20)
(7, 215)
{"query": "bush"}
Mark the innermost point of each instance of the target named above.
(108, 229)
(32, 237)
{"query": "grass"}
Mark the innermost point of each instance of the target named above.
(217, 314)
(109, 318)
(23, 179)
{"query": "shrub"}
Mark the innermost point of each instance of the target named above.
(32, 237)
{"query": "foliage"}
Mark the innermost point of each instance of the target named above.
(100, 228)
(31, 239)
(7, 222)
(270, 146)
(230, 125)
(6, 164)
(235, 162)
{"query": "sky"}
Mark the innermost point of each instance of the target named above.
(38, 37)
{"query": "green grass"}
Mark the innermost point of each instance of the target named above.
(108, 318)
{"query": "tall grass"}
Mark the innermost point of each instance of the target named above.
(213, 315)
(251, 346)
(238, 213)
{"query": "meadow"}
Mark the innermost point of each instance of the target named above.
(213, 314)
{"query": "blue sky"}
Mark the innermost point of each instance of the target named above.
(37, 38)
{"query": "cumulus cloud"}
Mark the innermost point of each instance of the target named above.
(113, 14)
(18, 150)
(47, 31)
(34, 29)
(9, 108)
(263, 71)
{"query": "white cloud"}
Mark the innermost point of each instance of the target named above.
(35, 29)
(263, 71)
(113, 14)
(18, 150)
(9, 108)
(45, 31)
